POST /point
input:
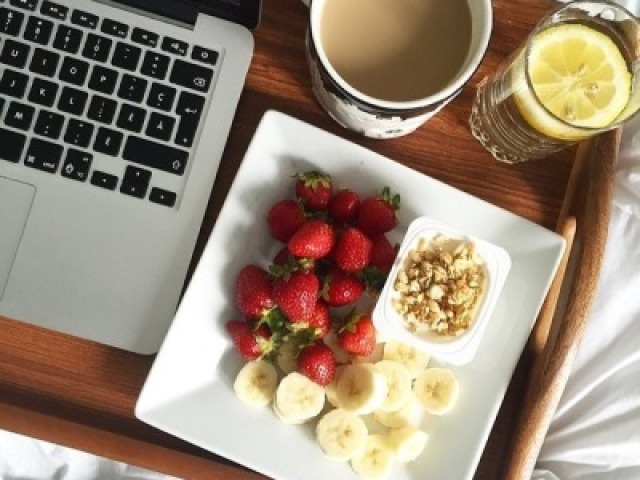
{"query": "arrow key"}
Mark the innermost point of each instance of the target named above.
(135, 181)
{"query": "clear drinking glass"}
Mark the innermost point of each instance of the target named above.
(509, 118)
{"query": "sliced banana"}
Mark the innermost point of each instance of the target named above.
(375, 460)
(416, 361)
(410, 414)
(398, 382)
(341, 434)
(407, 443)
(256, 383)
(332, 389)
(298, 399)
(437, 389)
(361, 388)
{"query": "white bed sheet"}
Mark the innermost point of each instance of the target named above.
(595, 433)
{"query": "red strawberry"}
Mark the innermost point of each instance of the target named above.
(284, 218)
(353, 250)
(313, 188)
(383, 254)
(377, 214)
(317, 362)
(320, 321)
(341, 288)
(314, 239)
(358, 335)
(296, 294)
(344, 206)
(251, 344)
(253, 291)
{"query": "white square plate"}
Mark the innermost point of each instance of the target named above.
(189, 393)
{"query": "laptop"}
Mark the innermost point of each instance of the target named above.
(113, 119)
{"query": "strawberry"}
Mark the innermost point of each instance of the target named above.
(314, 239)
(344, 206)
(317, 362)
(250, 343)
(341, 288)
(358, 335)
(320, 321)
(284, 218)
(296, 294)
(313, 189)
(377, 214)
(253, 291)
(383, 254)
(353, 250)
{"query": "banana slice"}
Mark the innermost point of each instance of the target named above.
(407, 443)
(413, 359)
(375, 460)
(256, 383)
(361, 388)
(332, 389)
(341, 434)
(298, 399)
(410, 414)
(398, 382)
(437, 389)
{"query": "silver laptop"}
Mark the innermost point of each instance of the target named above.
(113, 119)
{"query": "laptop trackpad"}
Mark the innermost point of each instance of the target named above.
(15, 204)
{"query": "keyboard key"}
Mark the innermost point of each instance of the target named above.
(84, 19)
(161, 97)
(126, 56)
(108, 141)
(11, 145)
(97, 47)
(76, 165)
(131, 118)
(204, 55)
(135, 181)
(144, 37)
(43, 155)
(174, 46)
(155, 65)
(111, 27)
(162, 197)
(54, 10)
(132, 88)
(78, 133)
(67, 39)
(160, 126)
(19, 116)
(26, 4)
(189, 109)
(73, 71)
(191, 76)
(102, 109)
(38, 30)
(14, 53)
(104, 180)
(44, 62)
(1, 105)
(155, 155)
(72, 101)
(10, 21)
(49, 124)
(13, 83)
(43, 92)
(103, 80)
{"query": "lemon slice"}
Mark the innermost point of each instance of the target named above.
(579, 75)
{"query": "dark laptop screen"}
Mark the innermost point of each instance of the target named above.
(245, 12)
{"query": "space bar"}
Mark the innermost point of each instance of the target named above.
(155, 155)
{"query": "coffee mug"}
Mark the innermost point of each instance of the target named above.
(384, 67)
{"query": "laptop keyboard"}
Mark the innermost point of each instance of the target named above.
(74, 85)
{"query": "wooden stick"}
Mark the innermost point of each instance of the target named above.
(551, 369)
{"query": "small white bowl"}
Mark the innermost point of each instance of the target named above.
(456, 350)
